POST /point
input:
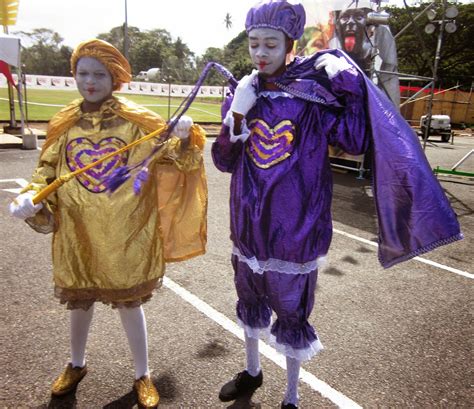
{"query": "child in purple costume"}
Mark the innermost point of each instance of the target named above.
(280, 204)
(274, 142)
(275, 145)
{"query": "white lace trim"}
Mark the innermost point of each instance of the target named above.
(274, 94)
(280, 266)
(300, 354)
(229, 121)
(255, 333)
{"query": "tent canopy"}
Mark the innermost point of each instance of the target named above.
(10, 49)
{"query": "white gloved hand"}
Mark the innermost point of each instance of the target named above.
(22, 207)
(245, 132)
(181, 129)
(245, 95)
(332, 64)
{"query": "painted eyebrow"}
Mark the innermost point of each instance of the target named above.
(94, 70)
(266, 38)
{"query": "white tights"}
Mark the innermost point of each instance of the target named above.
(292, 369)
(292, 376)
(134, 324)
(80, 324)
(253, 358)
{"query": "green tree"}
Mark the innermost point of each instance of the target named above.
(46, 55)
(212, 54)
(236, 56)
(150, 49)
(185, 68)
(228, 21)
(116, 36)
(155, 49)
(416, 49)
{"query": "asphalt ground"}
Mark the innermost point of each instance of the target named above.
(396, 338)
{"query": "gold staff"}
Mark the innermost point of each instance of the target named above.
(44, 193)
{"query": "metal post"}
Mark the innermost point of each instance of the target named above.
(11, 96)
(11, 99)
(169, 97)
(125, 34)
(20, 99)
(463, 159)
(435, 76)
(23, 75)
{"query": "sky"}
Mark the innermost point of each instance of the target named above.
(199, 23)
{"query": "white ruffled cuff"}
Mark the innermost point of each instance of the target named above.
(229, 121)
(301, 355)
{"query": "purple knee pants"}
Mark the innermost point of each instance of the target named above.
(290, 296)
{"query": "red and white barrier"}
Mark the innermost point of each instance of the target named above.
(134, 87)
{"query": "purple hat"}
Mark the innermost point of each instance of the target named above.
(279, 15)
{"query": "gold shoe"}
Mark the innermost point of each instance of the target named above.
(146, 392)
(68, 380)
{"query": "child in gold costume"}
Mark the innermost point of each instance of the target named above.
(113, 248)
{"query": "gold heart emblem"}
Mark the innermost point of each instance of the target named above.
(269, 146)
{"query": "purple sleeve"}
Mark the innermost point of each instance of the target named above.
(350, 131)
(224, 152)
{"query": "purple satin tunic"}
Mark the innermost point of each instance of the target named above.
(281, 184)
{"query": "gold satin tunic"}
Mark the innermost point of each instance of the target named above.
(111, 247)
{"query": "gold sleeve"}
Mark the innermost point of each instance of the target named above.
(43, 175)
(185, 154)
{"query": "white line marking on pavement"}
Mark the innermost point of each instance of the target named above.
(421, 259)
(314, 383)
(21, 182)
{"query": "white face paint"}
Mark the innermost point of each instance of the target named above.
(267, 49)
(93, 80)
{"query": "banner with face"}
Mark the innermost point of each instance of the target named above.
(346, 25)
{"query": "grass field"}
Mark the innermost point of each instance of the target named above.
(43, 104)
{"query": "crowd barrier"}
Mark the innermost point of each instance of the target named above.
(455, 103)
(134, 87)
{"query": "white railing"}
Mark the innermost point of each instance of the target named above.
(134, 87)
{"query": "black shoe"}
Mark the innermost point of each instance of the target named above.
(288, 406)
(241, 385)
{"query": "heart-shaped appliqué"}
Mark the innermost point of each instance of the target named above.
(80, 152)
(269, 146)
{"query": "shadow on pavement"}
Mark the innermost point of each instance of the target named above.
(212, 349)
(462, 209)
(353, 203)
(125, 402)
(63, 402)
(245, 402)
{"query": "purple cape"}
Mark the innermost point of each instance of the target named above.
(414, 215)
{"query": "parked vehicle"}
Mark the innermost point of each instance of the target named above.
(150, 75)
(440, 126)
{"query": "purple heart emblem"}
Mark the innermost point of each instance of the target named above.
(81, 152)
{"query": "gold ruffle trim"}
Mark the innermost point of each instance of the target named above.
(84, 297)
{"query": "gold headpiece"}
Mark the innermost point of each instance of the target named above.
(108, 55)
